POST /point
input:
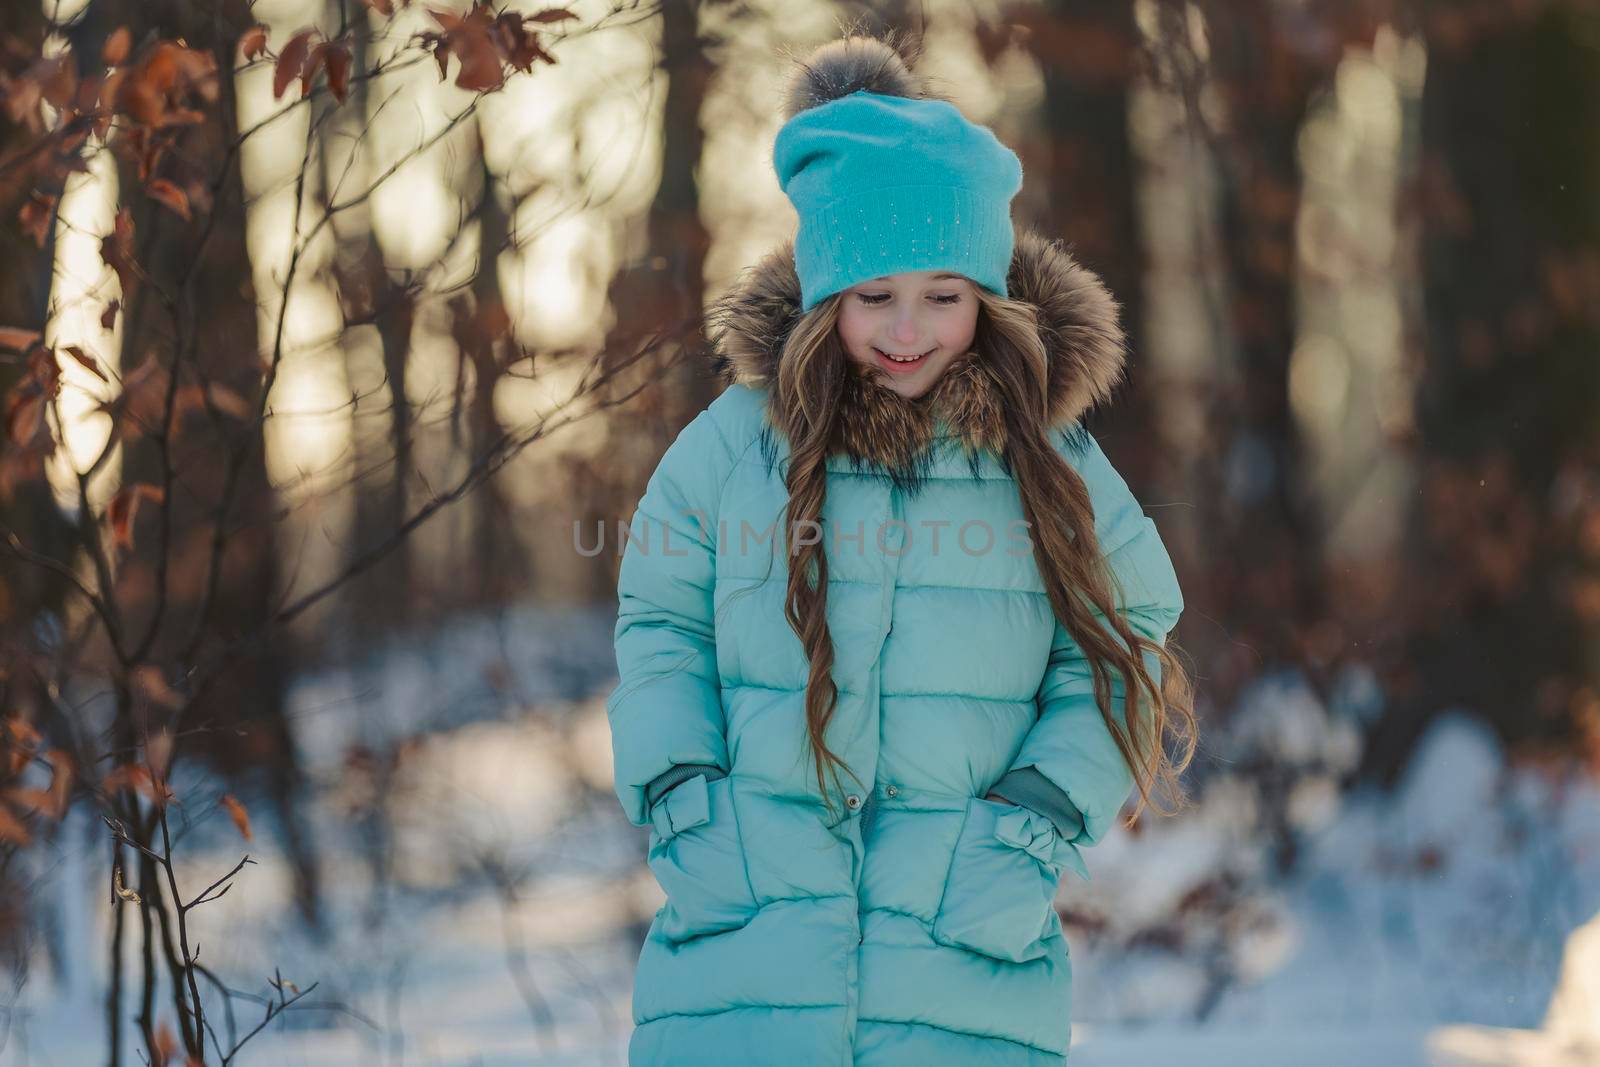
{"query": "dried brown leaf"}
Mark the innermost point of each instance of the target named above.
(308, 73)
(137, 777)
(36, 216)
(116, 248)
(236, 812)
(41, 801)
(20, 98)
(122, 511)
(58, 80)
(17, 338)
(142, 101)
(253, 42)
(229, 402)
(161, 69)
(117, 46)
(106, 93)
(166, 1045)
(25, 419)
(62, 771)
(198, 68)
(170, 196)
(480, 63)
(12, 829)
(28, 399)
(188, 398)
(150, 149)
(337, 60)
(87, 96)
(23, 733)
(158, 748)
(290, 61)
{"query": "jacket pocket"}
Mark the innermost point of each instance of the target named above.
(697, 857)
(999, 893)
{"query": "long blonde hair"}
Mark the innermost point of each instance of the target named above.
(812, 377)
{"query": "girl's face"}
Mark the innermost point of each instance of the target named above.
(926, 318)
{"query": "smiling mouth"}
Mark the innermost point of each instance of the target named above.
(897, 361)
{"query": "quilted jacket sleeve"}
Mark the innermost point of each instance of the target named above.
(1070, 746)
(666, 711)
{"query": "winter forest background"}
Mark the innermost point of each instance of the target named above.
(328, 326)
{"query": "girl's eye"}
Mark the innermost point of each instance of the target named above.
(878, 298)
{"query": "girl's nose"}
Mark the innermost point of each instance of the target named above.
(904, 330)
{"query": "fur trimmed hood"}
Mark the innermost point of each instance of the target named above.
(1078, 322)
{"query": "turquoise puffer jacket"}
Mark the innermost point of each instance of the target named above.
(915, 925)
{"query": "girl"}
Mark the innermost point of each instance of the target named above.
(881, 607)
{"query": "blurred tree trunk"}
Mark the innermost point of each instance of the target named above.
(1089, 55)
(499, 565)
(31, 597)
(25, 284)
(379, 601)
(1500, 606)
(238, 719)
(27, 591)
(1265, 538)
(659, 300)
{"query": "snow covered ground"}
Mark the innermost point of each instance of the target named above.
(1423, 928)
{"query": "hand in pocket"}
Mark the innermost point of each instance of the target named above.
(1000, 889)
(698, 858)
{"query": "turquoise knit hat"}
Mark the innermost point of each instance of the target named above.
(884, 184)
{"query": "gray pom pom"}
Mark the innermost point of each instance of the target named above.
(842, 67)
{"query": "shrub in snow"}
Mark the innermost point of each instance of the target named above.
(1180, 910)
